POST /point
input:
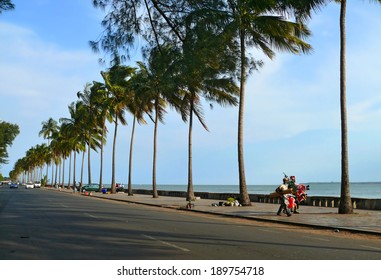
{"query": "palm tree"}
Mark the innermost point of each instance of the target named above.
(63, 148)
(345, 206)
(90, 123)
(345, 198)
(75, 127)
(115, 81)
(155, 85)
(258, 24)
(137, 105)
(100, 99)
(48, 128)
(56, 152)
(206, 73)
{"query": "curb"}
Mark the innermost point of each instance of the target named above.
(288, 222)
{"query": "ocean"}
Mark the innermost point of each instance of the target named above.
(358, 190)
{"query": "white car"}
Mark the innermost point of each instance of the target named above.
(37, 184)
(29, 185)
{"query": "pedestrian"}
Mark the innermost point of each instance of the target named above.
(283, 191)
(294, 187)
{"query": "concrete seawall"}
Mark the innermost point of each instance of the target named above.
(321, 201)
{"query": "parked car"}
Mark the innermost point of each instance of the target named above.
(37, 184)
(13, 185)
(118, 187)
(90, 188)
(29, 185)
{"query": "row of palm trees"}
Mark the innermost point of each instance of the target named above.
(143, 91)
(239, 24)
(194, 49)
(216, 33)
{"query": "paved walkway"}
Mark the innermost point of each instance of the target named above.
(362, 221)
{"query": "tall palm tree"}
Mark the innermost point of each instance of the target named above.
(258, 24)
(115, 81)
(345, 198)
(48, 128)
(63, 147)
(75, 127)
(100, 98)
(90, 122)
(155, 85)
(137, 105)
(345, 206)
(56, 153)
(206, 73)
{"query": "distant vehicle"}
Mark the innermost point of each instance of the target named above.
(37, 184)
(13, 185)
(118, 188)
(29, 185)
(90, 188)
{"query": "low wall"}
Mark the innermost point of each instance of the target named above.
(321, 201)
(327, 201)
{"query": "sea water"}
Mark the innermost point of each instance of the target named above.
(357, 190)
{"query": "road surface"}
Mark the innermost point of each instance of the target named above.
(38, 224)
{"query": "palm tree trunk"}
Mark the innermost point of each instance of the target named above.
(101, 167)
(56, 173)
(88, 160)
(82, 166)
(113, 190)
(59, 173)
(74, 167)
(244, 196)
(63, 173)
(154, 186)
(52, 173)
(345, 197)
(130, 158)
(69, 180)
(190, 192)
(47, 168)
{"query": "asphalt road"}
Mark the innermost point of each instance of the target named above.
(50, 225)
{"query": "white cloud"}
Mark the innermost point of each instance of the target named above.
(39, 80)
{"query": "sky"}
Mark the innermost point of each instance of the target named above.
(292, 106)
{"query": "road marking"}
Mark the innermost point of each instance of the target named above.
(370, 247)
(92, 216)
(316, 238)
(166, 243)
(63, 205)
(267, 230)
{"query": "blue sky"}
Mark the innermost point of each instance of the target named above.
(292, 117)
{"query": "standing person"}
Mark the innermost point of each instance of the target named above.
(294, 187)
(283, 198)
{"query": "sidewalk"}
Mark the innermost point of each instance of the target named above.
(362, 221)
